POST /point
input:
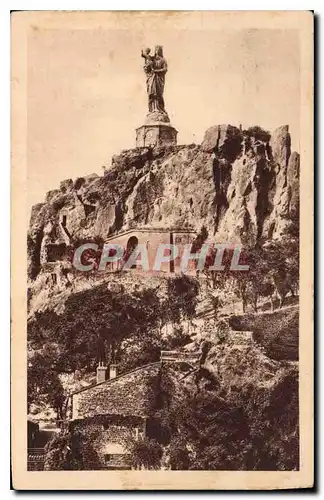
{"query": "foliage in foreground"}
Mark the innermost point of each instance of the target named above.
(99, 324)
(254, 428)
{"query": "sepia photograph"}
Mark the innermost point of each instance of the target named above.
(162, 278)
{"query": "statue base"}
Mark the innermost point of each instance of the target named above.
(156, 134)
(157, 116)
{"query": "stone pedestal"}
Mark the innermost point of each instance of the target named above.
(156, 131)
(156, 134)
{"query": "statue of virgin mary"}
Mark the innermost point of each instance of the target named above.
(155, 80)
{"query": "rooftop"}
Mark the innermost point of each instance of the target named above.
(129, 394)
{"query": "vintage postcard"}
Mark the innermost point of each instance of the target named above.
(162, 246)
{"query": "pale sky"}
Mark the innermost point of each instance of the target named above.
(86, 92)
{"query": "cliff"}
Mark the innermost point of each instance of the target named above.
(243, 186)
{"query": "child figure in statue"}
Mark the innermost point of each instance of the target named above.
(149, 60)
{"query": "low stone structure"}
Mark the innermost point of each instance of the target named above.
(276, 331)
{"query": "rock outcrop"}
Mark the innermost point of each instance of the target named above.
(243, 186)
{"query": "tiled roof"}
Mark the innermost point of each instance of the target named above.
(132, 393)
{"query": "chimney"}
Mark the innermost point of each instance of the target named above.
(112, 371)
(101, 372)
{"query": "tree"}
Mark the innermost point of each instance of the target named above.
(55, 395)
(258, 277)
(179, 456)
(229, 279)
(283, 266)
(57, 452)
(92, 320)
(181, 300)
(208, 433)
(258, 133)
(43, 383)
(138, 350)
(98, 323)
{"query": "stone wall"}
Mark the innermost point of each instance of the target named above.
(104, 440)
(152, 238)
(276, 331)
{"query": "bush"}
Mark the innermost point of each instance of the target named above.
(57, 452)
(146, 453)
(79, 183)
(258, 133)
(70, 452)
(179, 458)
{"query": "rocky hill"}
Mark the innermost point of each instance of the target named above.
(237, 410)
(243, 186)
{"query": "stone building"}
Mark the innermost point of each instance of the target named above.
(152, 238)
(113, 412)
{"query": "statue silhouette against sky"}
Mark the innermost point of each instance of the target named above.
(155, 68)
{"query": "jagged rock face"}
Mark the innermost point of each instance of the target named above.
(241, 188)
(281, 189)
(293, 184)
(179, 192)
(243, 217)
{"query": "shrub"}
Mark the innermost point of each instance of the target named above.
(179, 458)
(258, 133)
(146, 453)
(79, 183)
(57, 452)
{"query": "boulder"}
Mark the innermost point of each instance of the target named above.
(222, 139)
(66, 185)
(50, 195)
